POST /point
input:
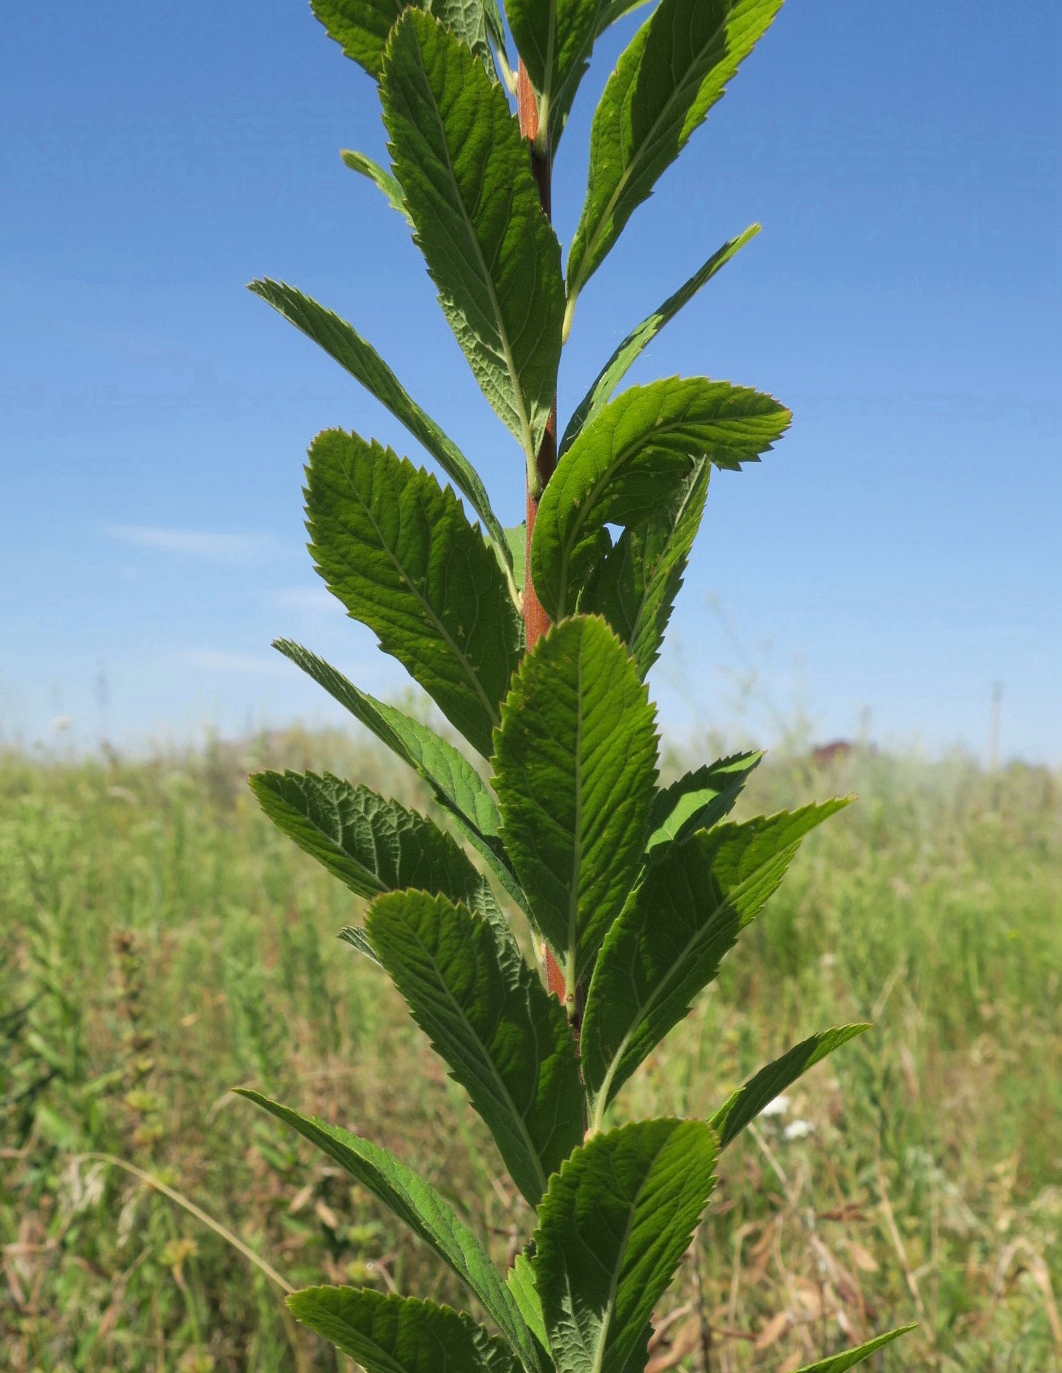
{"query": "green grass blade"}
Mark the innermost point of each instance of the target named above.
(372, 844)
(491, 251)
(612, 1230)
(848, 1358)
(428, 1215)
(387, 1333)
(342, 342)
(639, 339)
(397, 550)
(667, 945)
(629, 463)
(761, 1089)
(504, 1038)
(699, 799)
(575, 763)
(635, 584)
(675, 69)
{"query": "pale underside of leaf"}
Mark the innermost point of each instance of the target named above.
(669, 940)
(399, 553)
(670, 76)
(575, 762)
(631, 461)
(699, 799)
(639, 339)
(612, 1229)
(428, 1215)
(504, 1038)
(491, 251)
(388, 1333)
(749, 1100)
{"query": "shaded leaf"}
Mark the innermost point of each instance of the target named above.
(342, 342)
(356, 937)
(397, 550)
(504, 1038)
(387, 1333)
(517, 539)
(699, 799)
(420, 1206)
(554, 39)
(761, 1089)
(631, 461)
(491, 251)
(639, 339)
(837, 1363)
(372, 844)
(667, 945)
(673, 72)
(454, 782)
(635, 584)
(575, 763)
(612, 1230)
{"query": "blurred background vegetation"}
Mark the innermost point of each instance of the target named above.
(160, 942)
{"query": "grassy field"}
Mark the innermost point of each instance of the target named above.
(159, 943)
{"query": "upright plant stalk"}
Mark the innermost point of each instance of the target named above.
(635, 891)
(536, 621)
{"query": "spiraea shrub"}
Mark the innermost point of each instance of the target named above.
(534, 643)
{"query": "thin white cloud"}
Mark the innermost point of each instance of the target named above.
(314, 600)
(240, 550)
(242, 664)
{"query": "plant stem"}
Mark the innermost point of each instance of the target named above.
(536, 621)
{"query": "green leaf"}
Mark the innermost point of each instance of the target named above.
(399, 553)
(360, 27)
(520, 1281)
(393, 1334)
(454, 782)
(612, 1230)
(420, 1206)
(516, 536)
(554, 39)
(613, 10)
(467, 21)
(365, 166)
(667, 945)
(635, 584)
(575, 762)
(699, 799)
(504, 1038)
(670, 76)
(343, 343)
(491, 251)
(356, 937)
(372, 844)
(837, 1363)
(639, 339)
(630, 463)
(748, 1101)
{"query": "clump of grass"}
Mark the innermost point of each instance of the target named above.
(160, 942)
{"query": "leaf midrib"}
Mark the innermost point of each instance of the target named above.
(503, 333)
(409, 582)
(475, 1036)
(626, 176)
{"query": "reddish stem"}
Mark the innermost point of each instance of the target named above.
(536, 621)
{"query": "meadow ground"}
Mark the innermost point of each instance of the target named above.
(160, 942)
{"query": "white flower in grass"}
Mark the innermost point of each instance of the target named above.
(797, 1129)
(777, 1107)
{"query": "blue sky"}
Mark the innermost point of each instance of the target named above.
(895, 556)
